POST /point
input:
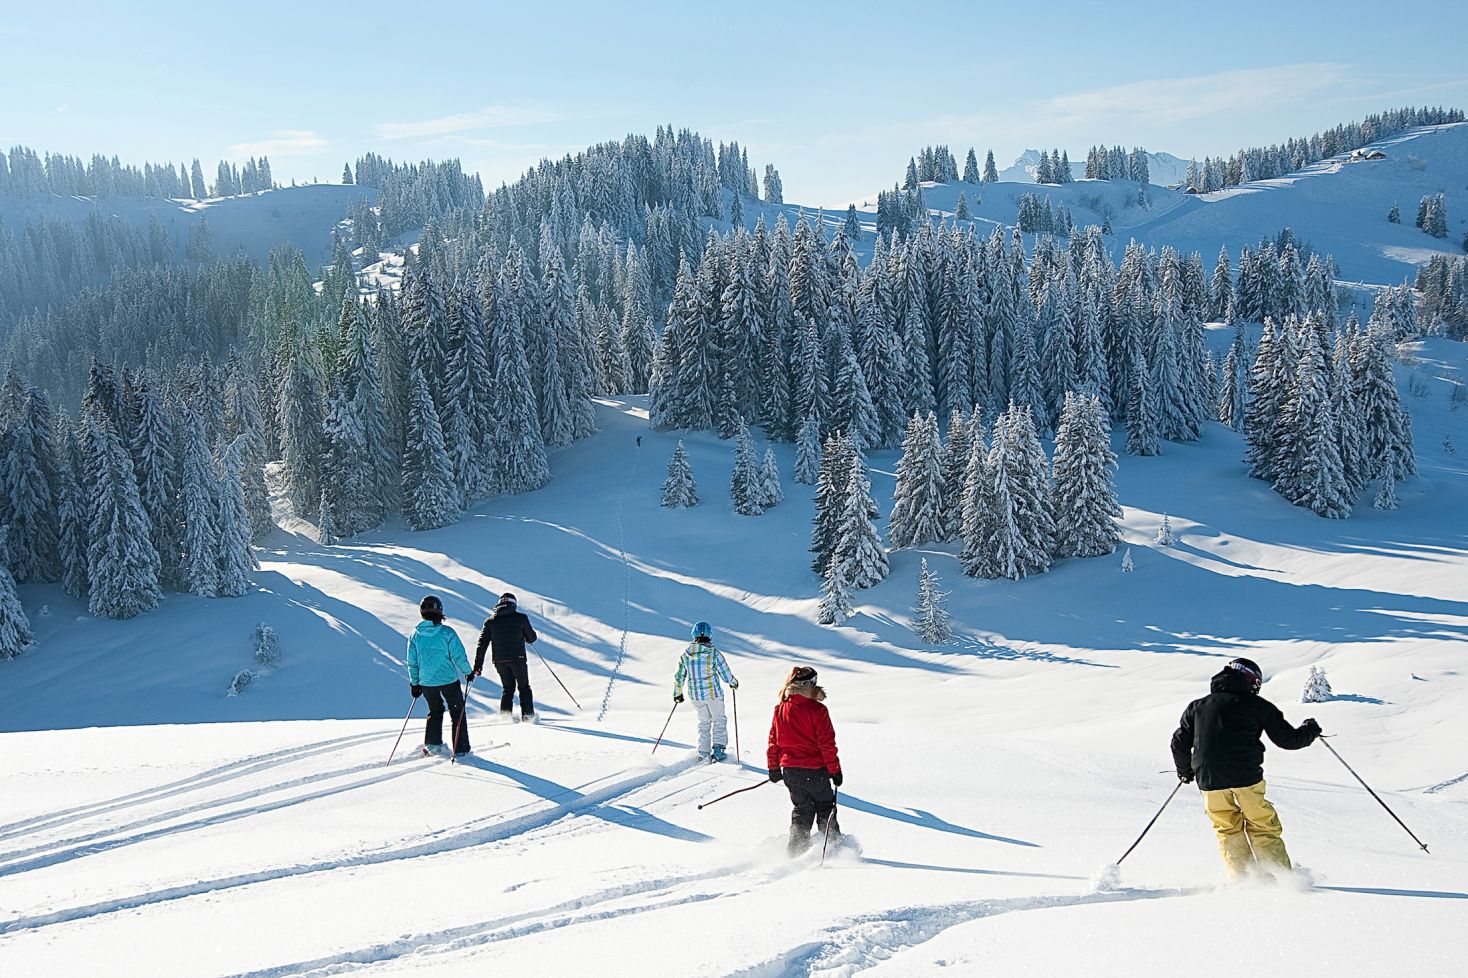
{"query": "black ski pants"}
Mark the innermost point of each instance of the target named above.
(815, 802)
(515, 674)
(453, 697)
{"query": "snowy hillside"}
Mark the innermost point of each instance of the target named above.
(1340, 208)
(302, 216)
(988, 781)
(1163, 169)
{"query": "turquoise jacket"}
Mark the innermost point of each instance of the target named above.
(435, 656)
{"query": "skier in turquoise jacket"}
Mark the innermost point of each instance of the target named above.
(436, 662)
(700, 668)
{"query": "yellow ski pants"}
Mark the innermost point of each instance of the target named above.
(1248, 829)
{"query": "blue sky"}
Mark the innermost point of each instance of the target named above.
(836, 95)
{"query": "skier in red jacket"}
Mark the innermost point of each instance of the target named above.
(802, 753)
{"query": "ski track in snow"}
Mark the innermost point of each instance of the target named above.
(205, 779)
(606, 698)
(499, 829)
(860, 943)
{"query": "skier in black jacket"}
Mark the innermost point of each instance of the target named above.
(506, 631)
(1218, 743)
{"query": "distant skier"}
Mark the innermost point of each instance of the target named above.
(506, 631)
(639, 441)
(436, 661)
(1218, 743)
(701, 667)
(802, 753)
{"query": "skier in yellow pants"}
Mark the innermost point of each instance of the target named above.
(1219, 743)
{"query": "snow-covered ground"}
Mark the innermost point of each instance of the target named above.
(1340, 208)
(150, 825)
(302, 216)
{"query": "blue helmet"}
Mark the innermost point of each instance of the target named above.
(702, 629)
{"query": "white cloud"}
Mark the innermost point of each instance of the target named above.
(489, 117)
(284, 142)
(1173, 100)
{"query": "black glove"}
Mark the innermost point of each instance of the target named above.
(733, 684)
(775, 776)
(416, 690)
(1311, 726)
(677, 698)
(1185, 778)
(470, 678)
(836, 779)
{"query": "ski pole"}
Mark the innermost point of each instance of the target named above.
(734, 691)
(553, 674)
(402, 731)
(731, 794)
(462, 718)
(1151, 823)
(830, 820)
(1374, 795)
(665, 726)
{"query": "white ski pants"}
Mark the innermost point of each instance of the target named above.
(713, 728)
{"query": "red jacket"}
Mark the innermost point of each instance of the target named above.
(801, 735)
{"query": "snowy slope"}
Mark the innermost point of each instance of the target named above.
(1339, 207)
(988, 781)
(302, 216)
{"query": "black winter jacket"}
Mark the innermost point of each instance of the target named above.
(507, 631)
(1218, 740)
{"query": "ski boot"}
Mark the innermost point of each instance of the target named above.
(434, 750)
(508, 716)
(718, 754)
(529, 718)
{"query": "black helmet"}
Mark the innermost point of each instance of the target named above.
(507, 598)
(1251, 669)
(431, 608)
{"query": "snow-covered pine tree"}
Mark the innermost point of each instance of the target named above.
(961, 212)
(745, 485)
(991, 172)
(953, 463)
(1141, 415)
(326, 534)
(157, 475)
(1165, 535)
(1016, 526)
(773, 491)
(72, 513)
(301, 440)
(1386, 437)
(835, 606)
(917, 502)
(859, 546)
(243, 420)
(830, 499)
(236, 555)
(932, 624)
(15, 627)
(519, 450)
(970, 167)
(679, 489)
(1084, 497)
(1386, 493)
(1315, 478)
(1232, 396)
(430, 497)
(1126, 562)
(120, 554)
(808, 452)
(1317, 687)
(27, 499)
(199, 506)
